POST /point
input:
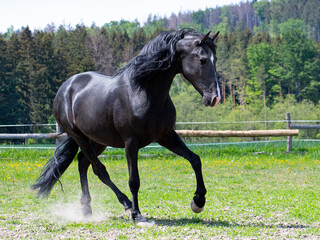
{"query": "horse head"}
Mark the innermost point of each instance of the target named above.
(198, 65)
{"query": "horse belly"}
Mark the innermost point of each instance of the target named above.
(114, 130)
(107, 136)
(97, 125)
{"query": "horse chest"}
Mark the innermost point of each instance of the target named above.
(146, 120)
(154, 118)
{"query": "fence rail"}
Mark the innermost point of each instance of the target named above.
(180, 123)
(181, 133)
(30, 135)
(297, 126)
(304, 126)
(228, 133)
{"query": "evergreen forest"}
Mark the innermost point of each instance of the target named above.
(268, 61)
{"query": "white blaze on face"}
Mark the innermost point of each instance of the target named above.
(217, 88)
(212, 59)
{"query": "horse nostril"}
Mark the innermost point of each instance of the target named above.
(215, 101)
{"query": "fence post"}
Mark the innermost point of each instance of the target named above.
(289, 138)
(59, 131)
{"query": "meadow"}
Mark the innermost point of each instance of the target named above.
(255, 191)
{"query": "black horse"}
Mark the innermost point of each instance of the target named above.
(131, 110)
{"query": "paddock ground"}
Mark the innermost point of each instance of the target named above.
(254, 192)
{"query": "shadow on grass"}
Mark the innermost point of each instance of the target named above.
(188, 221)
(221, 223)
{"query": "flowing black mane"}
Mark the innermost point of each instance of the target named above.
(158, 55)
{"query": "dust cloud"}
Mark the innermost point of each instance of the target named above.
(63, 213)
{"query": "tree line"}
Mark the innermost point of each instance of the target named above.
(263, 58)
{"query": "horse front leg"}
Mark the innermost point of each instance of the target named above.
(174, 143)
(132, 149)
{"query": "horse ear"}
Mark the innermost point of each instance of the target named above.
(205, 37)
(215, 36)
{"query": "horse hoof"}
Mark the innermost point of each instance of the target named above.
(87, 211)
(195, 208)
(139, 218)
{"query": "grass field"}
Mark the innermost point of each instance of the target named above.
(254, 192)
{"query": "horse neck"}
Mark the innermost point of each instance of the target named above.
(158, 87)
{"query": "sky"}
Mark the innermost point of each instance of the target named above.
(39, 13)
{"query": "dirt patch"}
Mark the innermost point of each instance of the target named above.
(64, 222)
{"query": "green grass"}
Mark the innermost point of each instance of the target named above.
(254, 191)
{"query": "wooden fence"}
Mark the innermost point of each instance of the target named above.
(289, 132)
(228, 133)
(297, 126)
(181, 133)
(30, 135)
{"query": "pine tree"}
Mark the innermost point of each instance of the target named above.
(25, 71)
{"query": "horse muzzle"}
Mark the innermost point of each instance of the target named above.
(210, 100)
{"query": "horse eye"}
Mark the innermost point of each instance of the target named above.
(203, 61)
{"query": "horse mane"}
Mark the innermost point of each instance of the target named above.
(157, 55)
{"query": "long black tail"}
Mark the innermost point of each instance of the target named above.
(55, 167)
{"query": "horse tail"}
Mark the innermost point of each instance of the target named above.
(64, 154)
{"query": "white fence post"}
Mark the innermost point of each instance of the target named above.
(289, 138)
(59, 131)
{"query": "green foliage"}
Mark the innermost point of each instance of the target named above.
(291, 24)
(122, 26)
(261, 7)
(260, 59)
(223, 27)
(154, 25)
(297, 58)
(267, 53)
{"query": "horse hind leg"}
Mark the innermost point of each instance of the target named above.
(83, 165)
(100, 170)
(90, 151)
